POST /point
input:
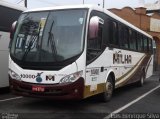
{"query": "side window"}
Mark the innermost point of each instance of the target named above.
(120, 34)
(95, 44)
(140, 42)
(107, 31)
(100, 36)
(145, 39)
(132, 39)
(113, 33)
(124, 37)
(150, 45)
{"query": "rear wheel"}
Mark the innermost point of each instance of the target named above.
(107, 95)
(140, 83)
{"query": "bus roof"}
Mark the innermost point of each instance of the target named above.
(61, 7)
(92, 7)
(13, 6)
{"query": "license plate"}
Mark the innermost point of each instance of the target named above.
(38, 88)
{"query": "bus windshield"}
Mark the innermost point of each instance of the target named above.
(51, 36)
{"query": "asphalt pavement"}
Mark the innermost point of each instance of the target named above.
(126, 100)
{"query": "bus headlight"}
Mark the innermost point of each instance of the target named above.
(72, 77)
(14, 75)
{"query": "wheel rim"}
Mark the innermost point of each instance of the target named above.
(142, 80)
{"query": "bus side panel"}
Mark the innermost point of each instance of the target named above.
(131, 67)
(4, 41)
(4, 69)
(97, 71)
(4, 53)
(142, 66)
(142, 70)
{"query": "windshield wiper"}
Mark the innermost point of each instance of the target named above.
(31, 41)
(52, 42)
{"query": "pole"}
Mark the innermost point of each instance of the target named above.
(103, 3)
(83, 1)
(25, 3)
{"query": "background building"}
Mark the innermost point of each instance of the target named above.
(153, 7)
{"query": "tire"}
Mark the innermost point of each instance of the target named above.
(140, 83)
(107, 95)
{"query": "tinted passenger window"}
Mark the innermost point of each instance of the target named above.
(124, 37)
(113, 34)
(140, 42)
(132, 40)
(145, 44)
(150, 45)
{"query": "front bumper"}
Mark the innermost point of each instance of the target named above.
(55, 91)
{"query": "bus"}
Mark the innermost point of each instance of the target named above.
(74, 52)
(9, 13)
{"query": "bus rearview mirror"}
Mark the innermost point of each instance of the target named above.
(13, 28)
(93, 27)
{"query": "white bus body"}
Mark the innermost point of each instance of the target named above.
(9, 13)
(63, 67)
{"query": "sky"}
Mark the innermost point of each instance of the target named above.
(108, 3)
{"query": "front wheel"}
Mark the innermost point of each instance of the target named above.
(107, 95)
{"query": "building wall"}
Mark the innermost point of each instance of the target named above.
(139, 18)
